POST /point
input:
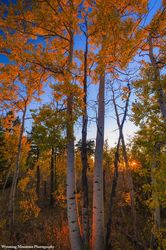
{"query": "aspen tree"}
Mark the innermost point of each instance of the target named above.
(20, 85)
(115, 51)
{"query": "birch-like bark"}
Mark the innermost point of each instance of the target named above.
(98, 204)
(72, 211)
(157, 78)
(12, 196)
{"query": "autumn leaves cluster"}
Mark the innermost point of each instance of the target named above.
(39, 40)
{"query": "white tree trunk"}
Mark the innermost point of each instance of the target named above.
(74, 230)
(72, 213)
(98, 205)
(12, 196)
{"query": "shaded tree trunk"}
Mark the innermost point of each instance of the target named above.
(38, 181)
(157, 79)
(112, 196)
(98, 206)
(104, 187)
(38, 177)
(156, 208)
(52, 175)
(45, 188)
(12, 196)
(84, 156)
(55, 171)
(115, 177)
(129, 177)
(6, 180)
(130, 185)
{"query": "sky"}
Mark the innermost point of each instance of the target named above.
(111, 132)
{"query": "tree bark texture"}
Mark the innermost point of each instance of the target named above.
(98, 204)
(157, 78)
(12, 196)
(72, 211)
(84, 157)
(52, 175)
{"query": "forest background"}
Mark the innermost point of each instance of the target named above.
(77, 79)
